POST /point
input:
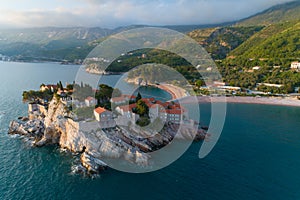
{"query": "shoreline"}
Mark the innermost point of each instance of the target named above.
(276, 101)
(179, 93)
(176, 92)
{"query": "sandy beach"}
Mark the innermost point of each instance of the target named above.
(180, 93)
(175, 91)
(280, 101)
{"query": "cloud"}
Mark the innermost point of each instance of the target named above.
(112, 13)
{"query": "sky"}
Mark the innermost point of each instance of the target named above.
(115, 13)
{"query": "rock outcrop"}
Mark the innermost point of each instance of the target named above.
(56, 126)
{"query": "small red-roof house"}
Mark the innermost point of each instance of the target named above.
(166, 111)
(152, 100)
(90, 101)
(102, 115)
(118, 100)
(130, 97)
(126, 111)
(122, 99)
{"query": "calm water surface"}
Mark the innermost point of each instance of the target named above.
(257, 156)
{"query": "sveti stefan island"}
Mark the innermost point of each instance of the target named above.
(103, 126)
(150, 100)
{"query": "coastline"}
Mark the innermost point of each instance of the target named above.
(176, 92)
(278, 101)
(179, 93)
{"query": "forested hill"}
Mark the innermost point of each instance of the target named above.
(271, 37)
(276, 14)
(277, 44)
(221, 41)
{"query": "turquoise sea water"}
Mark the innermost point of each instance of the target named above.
(257, 156)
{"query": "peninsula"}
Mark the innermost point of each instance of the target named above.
(100, 126)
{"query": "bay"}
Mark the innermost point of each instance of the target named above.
(256, 157)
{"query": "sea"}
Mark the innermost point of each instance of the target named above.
(256, 157)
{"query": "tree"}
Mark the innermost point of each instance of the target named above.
(117, 92)
(138, 97)
(70, 87)
(143, 121)
(60, 86)
(199, 83)
(289, 88)
(104, 92)
(141, 108)
(81, 93)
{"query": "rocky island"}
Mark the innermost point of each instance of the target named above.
(113, 127)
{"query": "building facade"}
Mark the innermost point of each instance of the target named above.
(295, 66)
(90, 101)
(165, 111)
(104, 117)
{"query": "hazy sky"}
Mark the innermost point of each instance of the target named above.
(113, 13)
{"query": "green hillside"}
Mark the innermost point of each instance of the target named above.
(276, 14)
(220, 41)
(277, 44)
(273, 49)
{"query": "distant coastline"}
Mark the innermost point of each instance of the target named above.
(276, 101)
(180, 93)
(97, 72)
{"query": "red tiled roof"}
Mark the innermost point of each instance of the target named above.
(123, 97)
(147, 102)
(100, 110)
(169, 108)
(127, 108)
(118, 99)
(49, 86)
(174, 111)
(128, 96)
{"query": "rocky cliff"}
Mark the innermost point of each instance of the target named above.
(55, 125)
(58, 127)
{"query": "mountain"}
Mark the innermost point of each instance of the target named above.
(278, 41)
(222, 40)
(47, 34)
(272, 47)
(276, 14)
(48, 43)
(52, 43)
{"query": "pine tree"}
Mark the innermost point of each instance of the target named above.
(138, 97)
